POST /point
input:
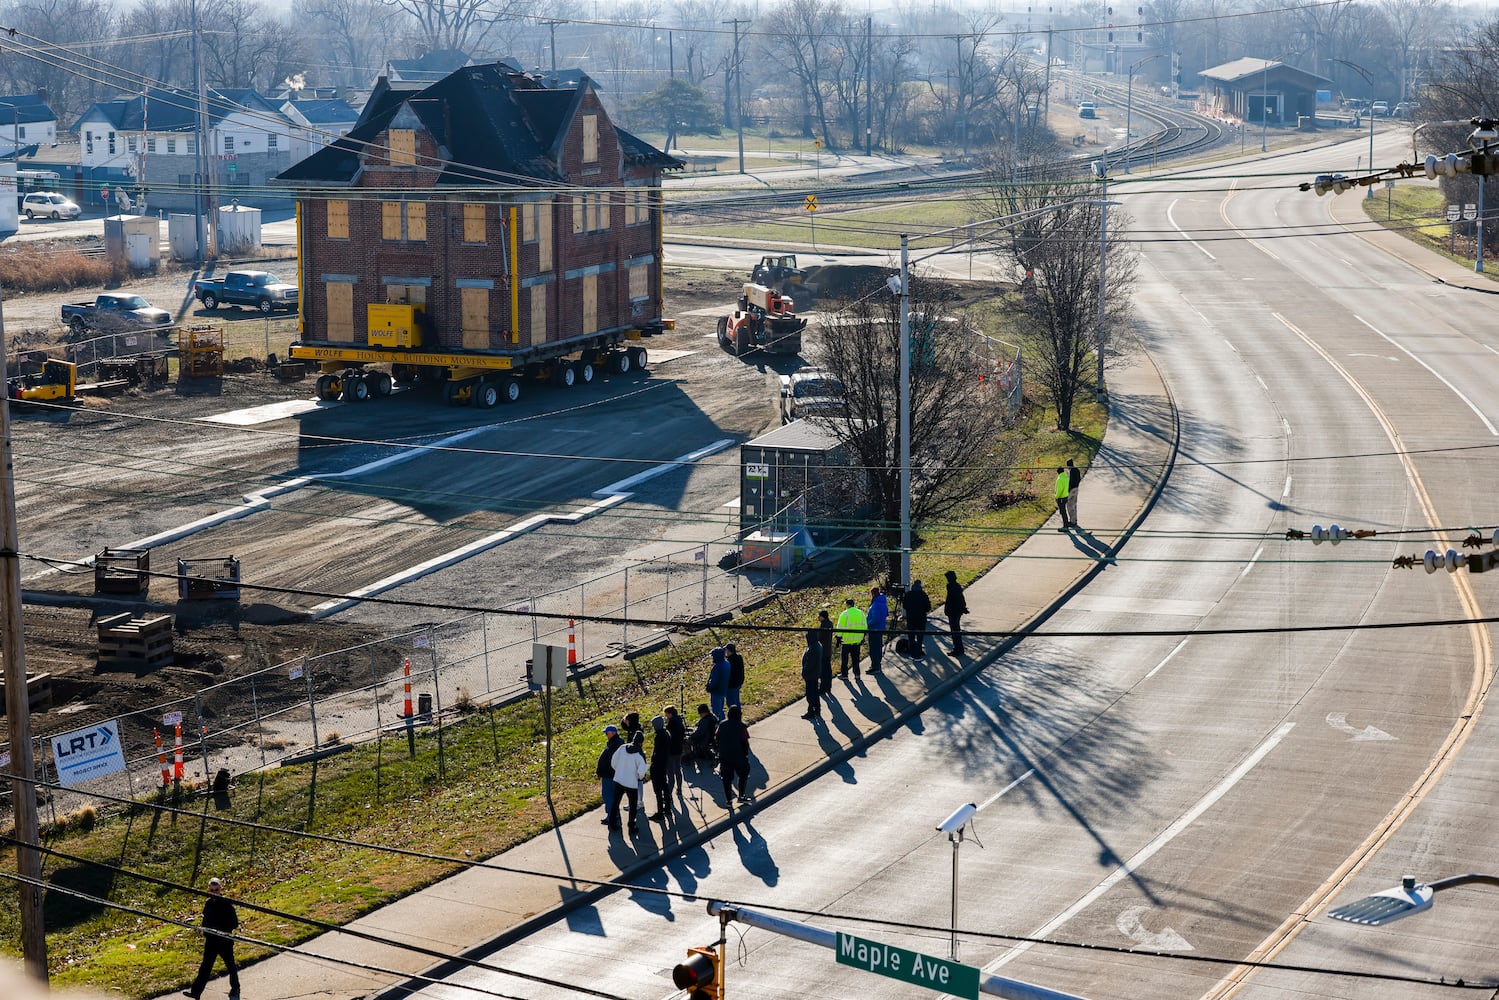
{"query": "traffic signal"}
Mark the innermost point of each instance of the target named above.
(1140, 27)
(1111, 24)
(698, 976)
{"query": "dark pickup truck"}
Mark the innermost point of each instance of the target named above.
(114, 312)
(260, 289)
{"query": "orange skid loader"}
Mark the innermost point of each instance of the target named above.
(765, 319)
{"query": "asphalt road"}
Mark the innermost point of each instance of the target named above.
(1193, 795)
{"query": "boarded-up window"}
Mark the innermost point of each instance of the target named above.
(590, 138)
(590, 303)
(473, 223)
(580, 210)
(544, 237)
(416, 221)
(411, 295)
(640, 282)
(338, 220)
(538, 313)
(475, 318)
(390, 220)
(530, 216)
(403, 147)
(603, 212)
(338, 297)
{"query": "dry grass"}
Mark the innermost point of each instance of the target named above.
(52, 266)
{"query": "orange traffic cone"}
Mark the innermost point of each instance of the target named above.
(161, 758)
(572, 645)
(177, 756)
(408, 687)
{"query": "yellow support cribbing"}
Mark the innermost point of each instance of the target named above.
(514, 275)
(301, 274)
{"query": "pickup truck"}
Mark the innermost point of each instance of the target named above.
(260, 289)
(113, 312)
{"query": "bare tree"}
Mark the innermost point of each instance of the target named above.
(163, 50)
(1415, 25)
(356, 36)
(250, 46)
(956, 418)
(464, 25)
(1058, 245)
(33, 64)
(800, 39)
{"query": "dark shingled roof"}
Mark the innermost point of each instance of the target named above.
(495, 125)
(25, 109)
(174, 110)
(326, 112)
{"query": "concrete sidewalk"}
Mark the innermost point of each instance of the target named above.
(531, 884)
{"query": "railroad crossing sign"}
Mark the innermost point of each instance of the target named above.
(811, 202)
(816, 143)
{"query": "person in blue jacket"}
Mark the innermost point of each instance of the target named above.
(718, 682)
(876, 618)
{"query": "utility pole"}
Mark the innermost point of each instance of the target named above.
(868, 85)
(1046, 96)
(204, 195)
(22, 767)
(552, 27)
(1101, 168)
(738, 91)
(905, 411)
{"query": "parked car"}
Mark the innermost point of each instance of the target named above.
(50, 205)
(260, 289)
(1380, 108)
(1406, 108)
(811, 392)
(112, 312)
(1087, 110)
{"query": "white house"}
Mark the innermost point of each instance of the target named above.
(164, 123)
(317, 122)
(26, 120)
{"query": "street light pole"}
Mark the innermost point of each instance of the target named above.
(1129, 107)
(1101, 168)
(1368, 82)
(1265, 109)
(905, 411)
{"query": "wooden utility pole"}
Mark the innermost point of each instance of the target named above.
(22, 769)
(738, 92)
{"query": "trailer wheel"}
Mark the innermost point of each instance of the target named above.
(510, 390)
(455, 393)
(327, 388)
(620, 362)
(485, 395)
(381, 382)
(356, 389)
(585, 372)
(637, 358)
(403, 374)
(563, 374)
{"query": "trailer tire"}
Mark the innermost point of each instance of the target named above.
(327, 388)
(563, 374)
(453, 393)
(585, 372)
(356, 389)
(404, 374)
(381, 383)
(620, 362)
(637, 358)
(510, 391)
(485, 395)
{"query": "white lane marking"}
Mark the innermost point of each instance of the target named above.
(1456, 391)
(1486, 347)
(1261, 382)
(1131, 924)
(1287, 491)
(1252, 560)
(1285, 425)
(1339, 721)
(1170, 215)
(1155, 669)
(1008, 788)
(1230, 344)
(1149, 850)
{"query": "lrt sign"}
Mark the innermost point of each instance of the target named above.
(88, 753)
(912, 967)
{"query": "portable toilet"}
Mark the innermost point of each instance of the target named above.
(239, 229)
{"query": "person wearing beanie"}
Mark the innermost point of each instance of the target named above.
(605, 769)
(733, 756)
(736, 672)
(630, 770)
(876, 618)
(718, 682)
(955, 606)
(660, 767)
(812, 675)
(218, 915)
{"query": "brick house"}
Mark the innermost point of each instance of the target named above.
(514, 214)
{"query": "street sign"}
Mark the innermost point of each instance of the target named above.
(816, 143)
(1454, 212)
(87, 753)
(911, 967)
(548, 665)
(811, 202)
(1470, 212)
(756, 470)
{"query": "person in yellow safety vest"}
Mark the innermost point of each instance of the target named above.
(1064, 487)
(851, 628)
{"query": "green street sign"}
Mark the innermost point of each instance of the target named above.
(909, 966)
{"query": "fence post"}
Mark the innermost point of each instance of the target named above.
(436, 700)
(484, 637)
(705, 580)
(259, 723)
(667, 616)
(311, 701)
(202, 734)
(624, 639)
(582, 632)
(375, 692)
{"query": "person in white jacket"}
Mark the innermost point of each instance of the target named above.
(630, 769)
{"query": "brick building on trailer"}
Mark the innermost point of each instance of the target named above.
(515, 216)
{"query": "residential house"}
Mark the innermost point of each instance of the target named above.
(427, 68)
(317, 122)
(153, 140)
(513, 213)
(26, 120)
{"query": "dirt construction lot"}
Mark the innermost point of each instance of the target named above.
(118, 470)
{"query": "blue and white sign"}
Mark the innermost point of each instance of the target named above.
(85, 754)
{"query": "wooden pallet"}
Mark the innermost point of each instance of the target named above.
(128, 641)
(38, 694)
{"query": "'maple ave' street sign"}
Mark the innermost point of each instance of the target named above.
(909, 966)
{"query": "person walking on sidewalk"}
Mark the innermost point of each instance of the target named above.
(629, 726)
(812, 675)
(736, 672)
(1074, 480)
(218, 915)
(876, 618)
(630, 770)
(677, 727)
(825, 644)
(718, 682)
(851, 625)
(733, 755)
(1063, 490)
(660, 768)
(955, 607)
(605, 769)
(916, 606)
